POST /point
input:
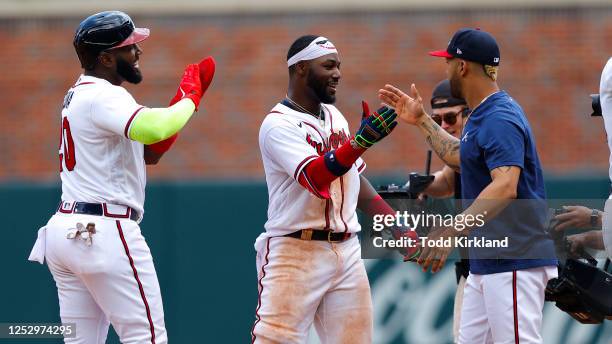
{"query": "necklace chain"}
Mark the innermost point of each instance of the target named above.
(301, 108)
(472, 110)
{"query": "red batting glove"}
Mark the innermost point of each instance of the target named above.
(207, 72)
(190, 86)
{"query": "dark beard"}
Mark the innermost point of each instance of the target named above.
(128, 72)
(455, 88)
(318, 88)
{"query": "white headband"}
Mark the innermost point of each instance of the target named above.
(317, 48)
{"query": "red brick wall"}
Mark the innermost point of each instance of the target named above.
(551, 61)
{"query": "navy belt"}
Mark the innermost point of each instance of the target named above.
(99, 209)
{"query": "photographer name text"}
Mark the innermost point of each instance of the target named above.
(459, 241)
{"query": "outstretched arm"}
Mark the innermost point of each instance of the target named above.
(371, 203)
(153, 125)
(410, 109)
(489, 203)
(195, 82)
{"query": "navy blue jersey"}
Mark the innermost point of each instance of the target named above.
(498, 134)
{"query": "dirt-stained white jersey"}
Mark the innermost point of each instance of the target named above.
(288, 141)
(98, 162)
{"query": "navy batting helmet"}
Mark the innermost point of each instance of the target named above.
(102, 31)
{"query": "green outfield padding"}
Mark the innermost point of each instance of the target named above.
(201, 235)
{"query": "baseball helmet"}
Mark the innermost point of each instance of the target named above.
(102, 31)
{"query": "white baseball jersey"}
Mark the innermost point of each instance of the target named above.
(288, 141)
(98, 162)
(605, 98)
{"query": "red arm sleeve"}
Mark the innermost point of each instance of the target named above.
(163, 146)
(316, 176)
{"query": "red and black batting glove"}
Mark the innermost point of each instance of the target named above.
(374, 126)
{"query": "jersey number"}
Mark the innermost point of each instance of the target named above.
(67, 147)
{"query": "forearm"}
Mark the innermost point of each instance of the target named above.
(489, 203)
(599, 222)
(153, 125)
(151, 157)
(442, 185)
(444, 144)
(594, 239)
(369, 201)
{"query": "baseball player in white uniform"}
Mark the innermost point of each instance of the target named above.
(95, 251)
(308, 259)
(605, 98)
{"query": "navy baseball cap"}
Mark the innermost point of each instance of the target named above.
(472, 45)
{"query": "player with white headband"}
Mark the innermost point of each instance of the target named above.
(308, 259)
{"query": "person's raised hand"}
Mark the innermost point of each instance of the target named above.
(409, 108)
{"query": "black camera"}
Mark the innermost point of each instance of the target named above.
(596, 105)
(417, 183)
(582, 290)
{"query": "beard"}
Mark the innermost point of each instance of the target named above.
(455, 87)
(128, 72)
(319, 88)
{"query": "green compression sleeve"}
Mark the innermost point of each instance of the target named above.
(152, 125)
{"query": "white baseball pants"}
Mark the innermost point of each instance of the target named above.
(301, 282)
(113, 281)
(504, 308)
